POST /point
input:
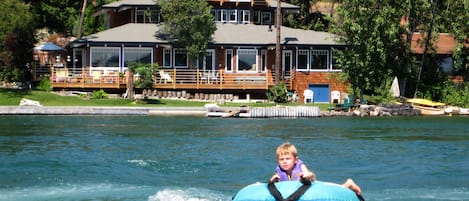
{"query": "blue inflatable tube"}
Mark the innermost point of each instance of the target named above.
(318, 191)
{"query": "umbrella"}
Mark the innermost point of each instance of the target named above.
(49, 46)
(395, 88)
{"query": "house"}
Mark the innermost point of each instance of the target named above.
(240, 58)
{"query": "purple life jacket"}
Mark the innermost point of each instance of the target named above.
(295, 173)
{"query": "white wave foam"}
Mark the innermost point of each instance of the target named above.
(191, 194)
(72, 192)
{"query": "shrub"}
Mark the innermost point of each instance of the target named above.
(100, 94)
(44, 84)
(278, 93)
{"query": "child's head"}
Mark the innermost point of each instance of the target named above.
(287, 156)
(287, 149)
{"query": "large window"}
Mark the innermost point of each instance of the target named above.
(319, 59)
(180, 58)
(229, 60)
(137, 55)
(105, 56)
(303, 59)
(247, 60)
(266, 18)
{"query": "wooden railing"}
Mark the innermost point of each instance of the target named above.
(164, 79)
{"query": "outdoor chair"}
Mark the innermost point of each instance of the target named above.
(165, 77)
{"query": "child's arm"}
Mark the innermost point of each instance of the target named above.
(307, 174)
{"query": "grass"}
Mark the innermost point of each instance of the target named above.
(12, 97)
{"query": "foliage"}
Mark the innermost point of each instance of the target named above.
(146, 74)
(44, 84)
(372, 33)
(100, 94)
(17, 39)
(189, 23)
(278, 93)
(456, 94)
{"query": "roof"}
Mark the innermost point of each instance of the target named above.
(122, 3)
(444, 44)
(48, 46)
(131, 3)
(226, 34)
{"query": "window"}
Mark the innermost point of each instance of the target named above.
(222, 15)
(229, 60)
(105, 56)
(335, 64)
(233, 15)
(266, 18)
(263, 60)
(257, 17)
(247, 60)
(167, 58)
(245, 16)
(137, 55)
(208, 62)
(147, 16)
(302, 60)
(319, 59)
(78, 58)
(180, 58)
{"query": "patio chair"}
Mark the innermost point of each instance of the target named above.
(96, 76)
(165, 77)
(335, 97)
(308, 96)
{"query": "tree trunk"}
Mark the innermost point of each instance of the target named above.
(82, 16)
(278, 62)
(130, 85)
(427, 43)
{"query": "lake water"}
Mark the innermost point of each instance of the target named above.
(127, 158)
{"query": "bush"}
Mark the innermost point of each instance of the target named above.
(44, 84)
(456, 94)
(278, 93)
(100, 94)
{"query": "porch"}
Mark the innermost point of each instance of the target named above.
(173, 79)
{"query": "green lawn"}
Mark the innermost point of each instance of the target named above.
(12, 97)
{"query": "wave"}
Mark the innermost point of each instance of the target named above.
(191, 194)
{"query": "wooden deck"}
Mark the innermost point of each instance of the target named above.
(165, 79)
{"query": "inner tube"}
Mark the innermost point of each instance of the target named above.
(316, 191)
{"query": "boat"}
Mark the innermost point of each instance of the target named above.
(316, 191)
(427, 107)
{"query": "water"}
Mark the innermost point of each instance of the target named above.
(124, 158)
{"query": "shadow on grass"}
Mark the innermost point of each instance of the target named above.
(15, 93)
(151, 101)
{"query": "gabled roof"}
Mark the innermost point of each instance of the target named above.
(226, 34)
(122, 3)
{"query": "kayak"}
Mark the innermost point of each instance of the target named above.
(317, 191)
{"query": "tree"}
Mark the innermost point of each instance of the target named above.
(58, 15)
(189, 24)
(17, 40)
(372, 34)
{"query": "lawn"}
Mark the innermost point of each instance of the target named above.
(12, 97)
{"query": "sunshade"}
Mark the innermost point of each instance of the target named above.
(49, 46)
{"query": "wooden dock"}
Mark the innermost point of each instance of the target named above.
(268, 112)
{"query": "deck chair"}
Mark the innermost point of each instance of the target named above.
(308, 96)
(335, 97)
(347, 104)
(165, 77)
(96, 76)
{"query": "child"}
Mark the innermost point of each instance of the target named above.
(290, 167)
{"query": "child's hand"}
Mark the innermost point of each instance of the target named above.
(309, 176)
(274, 178)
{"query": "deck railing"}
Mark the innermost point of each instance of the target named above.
(164, 79)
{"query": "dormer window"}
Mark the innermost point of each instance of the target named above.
(147, 16)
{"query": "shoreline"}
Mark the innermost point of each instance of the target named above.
(101, 110)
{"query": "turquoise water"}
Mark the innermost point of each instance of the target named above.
(151, 158)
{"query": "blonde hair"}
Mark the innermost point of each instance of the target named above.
(286, 149)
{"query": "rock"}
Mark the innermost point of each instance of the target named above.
(27, 102)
